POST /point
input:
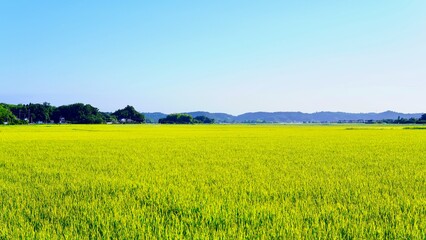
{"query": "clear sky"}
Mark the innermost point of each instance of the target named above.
(219, 56)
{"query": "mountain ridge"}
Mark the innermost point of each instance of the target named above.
(291, 116)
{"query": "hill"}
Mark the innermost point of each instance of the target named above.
(292, 117)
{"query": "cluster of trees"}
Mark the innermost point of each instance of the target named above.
(73, 113)
(182, 118)
(421, 120)
(23, 113)
(79, 113)
(7, 116)
(129, 114)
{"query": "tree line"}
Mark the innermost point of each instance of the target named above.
(73, 113)
(183, 118)
(79, 113)
(399, 120)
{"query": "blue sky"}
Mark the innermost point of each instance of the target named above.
(219, 56)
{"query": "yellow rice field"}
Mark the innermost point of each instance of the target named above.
(216, 181)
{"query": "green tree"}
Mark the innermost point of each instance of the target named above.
(78, 113)
(203, 119)
(108, 117)
(7, 116)
(176, 118)
(129, 113)
(422, 119)
(40, 112)
(32, 112)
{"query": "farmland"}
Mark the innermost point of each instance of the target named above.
(217, 181)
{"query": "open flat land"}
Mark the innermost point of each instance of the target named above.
(216, 181)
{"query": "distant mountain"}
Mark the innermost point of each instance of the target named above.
(154, 117)
(320, 116)
(292, 117)
(272, 117)
(218, 117)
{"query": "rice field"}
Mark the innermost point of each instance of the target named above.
(210, 182)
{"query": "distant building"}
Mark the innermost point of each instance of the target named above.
(126, 120)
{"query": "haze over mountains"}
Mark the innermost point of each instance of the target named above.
(291, 117)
